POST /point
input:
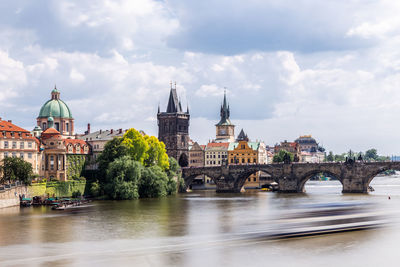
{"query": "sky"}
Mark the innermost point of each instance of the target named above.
(326, 68)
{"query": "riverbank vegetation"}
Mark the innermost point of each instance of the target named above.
(15, 169)
(369, 155)
(135, 166)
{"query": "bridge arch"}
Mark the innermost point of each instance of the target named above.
(379, 170)
(306, 177)
(243, 176)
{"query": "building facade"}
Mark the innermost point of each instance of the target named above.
(173, 129)
(244, 152)
(18, 142)
(60, 113)
(62, 158)
(291, 147)
(97, 140)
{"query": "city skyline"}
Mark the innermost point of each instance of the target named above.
(337, 81)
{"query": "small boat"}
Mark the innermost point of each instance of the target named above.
(25, 202)
(329, 218)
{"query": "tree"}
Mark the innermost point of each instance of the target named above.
(122, 178)
(183, 160)
(112, 150)
(13, 169)
(282, 155)
(153, 183)
(330, 157)
(156, 153)
(371, 154)
(136, 144)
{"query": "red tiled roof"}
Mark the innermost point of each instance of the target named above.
(75, 141)
(51, 131)
(218, 145)
(8, 126)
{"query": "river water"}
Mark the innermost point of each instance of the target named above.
(194, 229)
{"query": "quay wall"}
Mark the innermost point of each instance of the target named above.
(10, 196)
(57, 189)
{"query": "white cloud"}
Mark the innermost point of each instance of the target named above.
(209, 90)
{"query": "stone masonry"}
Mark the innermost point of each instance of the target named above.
(354, 177)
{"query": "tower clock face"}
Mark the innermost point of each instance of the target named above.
(222, 131)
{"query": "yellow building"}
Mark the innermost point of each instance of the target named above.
(243, 152)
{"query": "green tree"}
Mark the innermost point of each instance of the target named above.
(13, 169)
(280, 156)
(330, 157)
(122, 178)
(153, 183)
(136, 144)
(156, 153)
(113, 149)
(371, 154)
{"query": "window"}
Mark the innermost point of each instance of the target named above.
(254, 179)
(57, 124)
(67, 127)
(219, 156)
(51, 162)
(5, 154)
(22, 145)
(255, 160)
(44, 126)
(248, 160)
(5, 144)
(231, 160)
(243, 146)
(14, 154)
(14, 144)
(242, 160)
(21, 155)
(29, 144)
(29, 155)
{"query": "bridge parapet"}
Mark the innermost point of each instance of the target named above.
(355, 177)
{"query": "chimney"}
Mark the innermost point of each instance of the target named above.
(10, 121)
(112, 130)
(88, 128)
(120, 131)
(100, 130)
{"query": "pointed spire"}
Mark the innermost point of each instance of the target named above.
(174, 104)
(158, 108)
(225, 113)
(187, 109)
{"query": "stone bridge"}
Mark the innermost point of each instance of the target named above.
(355, 177)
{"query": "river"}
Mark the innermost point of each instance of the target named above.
(193, 230)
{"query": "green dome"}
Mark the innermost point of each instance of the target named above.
(55, 108)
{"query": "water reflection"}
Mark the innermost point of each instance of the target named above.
(192, 229)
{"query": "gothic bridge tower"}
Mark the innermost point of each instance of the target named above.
(173, 129)
(225, 130)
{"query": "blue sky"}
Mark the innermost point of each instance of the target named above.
(326, 68)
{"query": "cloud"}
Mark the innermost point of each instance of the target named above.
(236, 27)
(331, 69)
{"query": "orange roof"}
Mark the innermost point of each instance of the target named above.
(51, 131)
(75, 141)
(218, 145)
(8, 126)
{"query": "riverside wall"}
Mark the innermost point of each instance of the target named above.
(10, 196)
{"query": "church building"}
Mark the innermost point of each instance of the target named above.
(61, 114)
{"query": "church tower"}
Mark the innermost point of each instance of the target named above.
(225, 128)
(173, 129)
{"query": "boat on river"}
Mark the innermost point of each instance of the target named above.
(327, 219)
